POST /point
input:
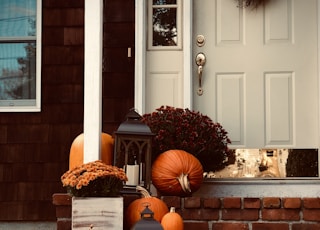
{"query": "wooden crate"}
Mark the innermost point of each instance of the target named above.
(97, 213)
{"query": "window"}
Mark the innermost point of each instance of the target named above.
(164, 25)
(20, 55)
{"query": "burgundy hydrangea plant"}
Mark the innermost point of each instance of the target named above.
(177, 128)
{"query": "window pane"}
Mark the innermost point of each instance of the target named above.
(17, 71)
(17, 18)
(164, 2)
(164, 27)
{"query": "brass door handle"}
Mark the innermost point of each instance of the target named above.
(200, 61)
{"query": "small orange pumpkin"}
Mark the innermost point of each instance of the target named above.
(76, 150)
(177, 173)
(157, 206)
(172, 220)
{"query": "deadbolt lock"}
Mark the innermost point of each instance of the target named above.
(200, 40)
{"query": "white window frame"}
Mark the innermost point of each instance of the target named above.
(35, 104)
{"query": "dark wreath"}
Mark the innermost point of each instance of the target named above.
(251, 3)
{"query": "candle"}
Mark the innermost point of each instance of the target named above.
(133, 174)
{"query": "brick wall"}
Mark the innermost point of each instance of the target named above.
(228, 213)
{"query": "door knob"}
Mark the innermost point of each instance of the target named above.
(200, 61)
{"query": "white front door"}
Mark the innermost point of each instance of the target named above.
(260, 79)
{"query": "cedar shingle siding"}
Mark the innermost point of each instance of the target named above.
(34, 147)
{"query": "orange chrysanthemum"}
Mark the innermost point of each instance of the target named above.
(94, 179)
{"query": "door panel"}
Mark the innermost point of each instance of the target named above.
(230, 91)
(279, 108)
(163, 79)
(260, 78)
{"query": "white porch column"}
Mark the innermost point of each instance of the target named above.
(140, 54)
(92, 78)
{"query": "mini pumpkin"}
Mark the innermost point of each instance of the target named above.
(157, 206)
(177, 173)
(172, 220)
(76, 150)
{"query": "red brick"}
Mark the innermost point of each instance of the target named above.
(200, 214)
(196, 225)
(192, 202)
(232, 202)
(270, 226)
(211, 203)
(229, 226)
(280, 214)
(240, 214)
(61, 199)
(311, 214)
(64, 225)
(292, 203)
(271, 202)
(311, 202)
(305, 226)
(251, 203)
(172, 201)
(63, 211)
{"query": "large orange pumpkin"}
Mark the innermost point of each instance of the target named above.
(133, 212)
(76, 150)
(177, 173)
(172, 220)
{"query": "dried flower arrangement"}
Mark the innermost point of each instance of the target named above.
(94, 179)
(177, 128)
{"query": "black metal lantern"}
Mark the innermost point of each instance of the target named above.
(147, 221)
(133, 149)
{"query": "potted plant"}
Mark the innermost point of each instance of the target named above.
(95, 190)
(191, 131)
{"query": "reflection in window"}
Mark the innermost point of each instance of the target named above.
(164, 27)
(18, 73)
(164, 2)
(18, 42)
(270, 163)
(17, 18)
(164, 23)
